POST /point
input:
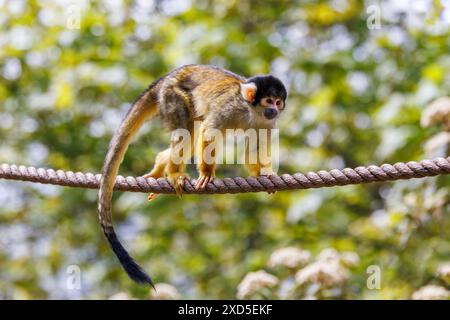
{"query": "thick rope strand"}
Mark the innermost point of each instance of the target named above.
(322, 178)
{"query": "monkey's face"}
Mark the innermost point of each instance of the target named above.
(268, 98)
(271, 106)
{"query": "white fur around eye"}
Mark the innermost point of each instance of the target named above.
(245, 87)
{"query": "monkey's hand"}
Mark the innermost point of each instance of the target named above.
(267, 172)
(177, 179)
(207, 172)
(203, 180)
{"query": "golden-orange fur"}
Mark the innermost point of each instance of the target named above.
(219, 99)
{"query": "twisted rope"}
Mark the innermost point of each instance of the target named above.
(335, 177)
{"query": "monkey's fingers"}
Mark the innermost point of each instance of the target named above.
(202, 181)
(179, 186)
(177, 181)
(152, 174)
(152, 196)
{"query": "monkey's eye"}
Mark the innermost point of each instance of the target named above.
(278, 103)
(269, 101)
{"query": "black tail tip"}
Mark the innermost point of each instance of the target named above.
(134, 271)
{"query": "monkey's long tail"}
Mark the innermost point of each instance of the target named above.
(144, 108)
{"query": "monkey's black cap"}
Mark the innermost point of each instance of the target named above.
(268, 86)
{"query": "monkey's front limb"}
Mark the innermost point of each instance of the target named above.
(258, 157)
(206, 157)
(258, 154)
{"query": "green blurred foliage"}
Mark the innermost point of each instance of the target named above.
(356, 95)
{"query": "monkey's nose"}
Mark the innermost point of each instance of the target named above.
(270, 113)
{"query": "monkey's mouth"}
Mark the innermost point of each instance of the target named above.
(270, 113)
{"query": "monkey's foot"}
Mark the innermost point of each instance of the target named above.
(203, 180)
(152, 196)
(152, 175)
(177, 181)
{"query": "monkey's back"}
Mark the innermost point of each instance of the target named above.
(204, 80)
(196, 89)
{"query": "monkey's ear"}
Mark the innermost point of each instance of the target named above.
(248, 91)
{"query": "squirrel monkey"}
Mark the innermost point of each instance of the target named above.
(219, 99)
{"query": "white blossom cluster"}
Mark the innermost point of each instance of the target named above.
(328, 271)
